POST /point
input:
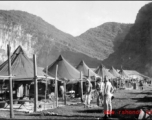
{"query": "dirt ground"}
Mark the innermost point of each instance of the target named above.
(126, 105)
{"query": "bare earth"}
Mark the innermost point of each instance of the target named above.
(125, 100)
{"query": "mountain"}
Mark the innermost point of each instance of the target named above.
(36, 36)
(46, 41)
(135, 52)
(104, 39)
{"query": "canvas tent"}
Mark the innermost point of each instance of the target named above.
(101, 70)
(134, 74)
(85, 69)
(123, 74)
(114, 72)
(22, 66)
(65, 70)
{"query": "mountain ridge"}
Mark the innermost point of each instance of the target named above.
(48, 42)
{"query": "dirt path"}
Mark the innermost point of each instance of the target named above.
(131, 100)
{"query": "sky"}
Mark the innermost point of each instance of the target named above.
(76, 17)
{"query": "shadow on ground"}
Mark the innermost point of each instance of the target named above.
(144, 99)
(91, 111)
(147, 93)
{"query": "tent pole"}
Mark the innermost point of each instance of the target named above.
(102, 75)
(10, 82)
(1, 90)
(95, 81)
(56, 86)
(88, 73)
(46, 87)
(81, 84)
(35, 83)
(65, 93)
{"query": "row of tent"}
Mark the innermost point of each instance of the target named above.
(22, 69)
(21, 65)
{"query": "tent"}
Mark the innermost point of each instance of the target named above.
(134, 74)
(101, 70)
(123, 74)
(65, 70)
(22, 66)
(84, 69)
(114, 72)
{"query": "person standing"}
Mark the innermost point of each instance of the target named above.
(141, 84)
(88, 87)
(100, 90)
(62, 90)
(20, 91)
(108, 90)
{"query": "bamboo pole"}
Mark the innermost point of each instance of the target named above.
(56, 86)
(10, 82)
(35, 84)
(64, 92)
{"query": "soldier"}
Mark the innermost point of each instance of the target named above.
(108, 90)
(88, 87)
(100, 90)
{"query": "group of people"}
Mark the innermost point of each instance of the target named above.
(104, 90)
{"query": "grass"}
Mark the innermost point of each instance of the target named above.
(129, 100)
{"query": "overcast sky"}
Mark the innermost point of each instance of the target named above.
(75, 17)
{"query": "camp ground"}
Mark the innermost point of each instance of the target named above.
(89, 60)
(36, 94)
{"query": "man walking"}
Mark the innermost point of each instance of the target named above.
(108, 90)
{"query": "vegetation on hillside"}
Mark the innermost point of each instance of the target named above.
(136, 50)
(105, 39)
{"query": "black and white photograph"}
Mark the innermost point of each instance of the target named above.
(83, 60)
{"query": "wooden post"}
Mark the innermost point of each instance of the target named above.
(102, 75)
(65, 93)
(81, 84)
(56, 86)
(88, 73)
(35, 84)
(10, 82)
(95, 81)
(46, 84)
(1, 90)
